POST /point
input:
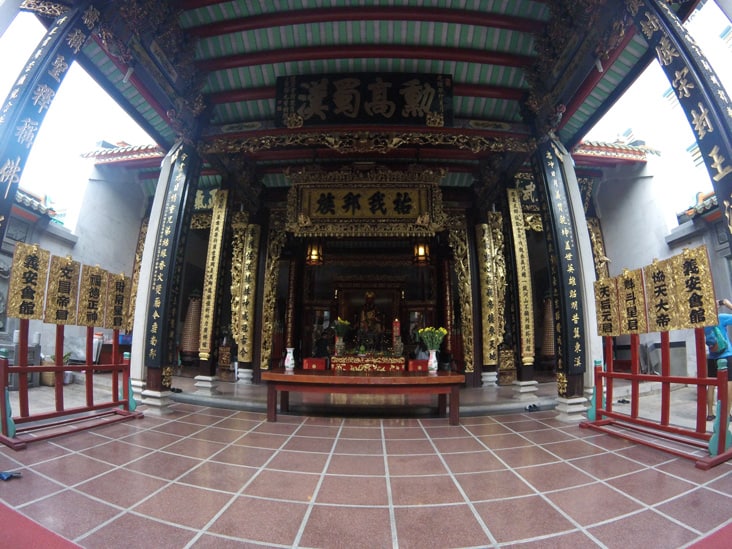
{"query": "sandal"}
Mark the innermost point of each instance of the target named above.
(711, 418)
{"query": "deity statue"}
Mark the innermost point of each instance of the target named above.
(370, 324)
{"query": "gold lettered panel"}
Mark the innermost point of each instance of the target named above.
(63, 291)
(606, 307)
(663, 309)
(92, 296)
(632, 302)
(694, 288)
(28, 278)
(117, 302)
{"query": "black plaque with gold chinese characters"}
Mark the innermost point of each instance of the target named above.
(32, 94)
(179, 173)
(570, 330)
(92, 296)
(698, 89)
(63, 291)
(364, 98)
(28, 278)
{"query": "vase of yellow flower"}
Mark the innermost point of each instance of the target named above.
(432, 338)
(341, 328)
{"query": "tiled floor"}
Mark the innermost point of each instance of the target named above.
(214, 477)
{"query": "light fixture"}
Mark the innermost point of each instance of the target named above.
(421, 253)
(128, 74)
(314, 253)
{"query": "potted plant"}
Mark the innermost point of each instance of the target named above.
(341, 327)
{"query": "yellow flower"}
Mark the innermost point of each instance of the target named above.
(431, 336)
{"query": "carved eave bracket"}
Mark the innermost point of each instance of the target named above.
(372, 202)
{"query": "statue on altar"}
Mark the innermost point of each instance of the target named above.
(370, 324)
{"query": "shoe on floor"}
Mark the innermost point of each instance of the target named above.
(711, 418)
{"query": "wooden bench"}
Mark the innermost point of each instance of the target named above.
(378, 383)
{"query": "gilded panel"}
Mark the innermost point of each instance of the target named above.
(92, 296)
(63, 291)
(28, 278)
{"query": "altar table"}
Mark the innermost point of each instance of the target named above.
(332, 381)
(367, 364)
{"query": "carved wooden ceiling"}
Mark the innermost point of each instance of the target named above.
(208, 70)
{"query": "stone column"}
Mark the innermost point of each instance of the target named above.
(154, 346)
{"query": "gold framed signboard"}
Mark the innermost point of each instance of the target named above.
(63, 291)
(369, 202)
(28, 277)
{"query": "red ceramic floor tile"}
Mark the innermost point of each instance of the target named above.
(472, 462)
(605, 466)
(262, 520)
(492, 485)
(593, 503)
(500, 518)
(424, 490)
(72, 469)
(117, 452)
(33, 486)
(571, 449)
(262, 440)
(528, 455)
(216, 434)
(553, 476)
(396, 447)
(284, 486)
(300, 462)
(70, 514)
(310, 444)
(343, 464)
(352, 432)
(439, 526)
(219, 476)
(195, 448)
(121, 487)
(163, 465)
(359, 446)
(352, 527)
(244, 455)
(715, 509)
(642, 530)
(129, 530)
(184, 505)
(484, 429)
(407, 465)
(650, 486)
(453, 445)
(511, 440)
(353, 490)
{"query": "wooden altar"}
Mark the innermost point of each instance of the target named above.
(367, 364)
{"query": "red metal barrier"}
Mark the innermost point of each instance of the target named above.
(44, 425)
(644, 431)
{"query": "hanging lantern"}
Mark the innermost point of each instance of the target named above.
(421, 253)
(314, 253)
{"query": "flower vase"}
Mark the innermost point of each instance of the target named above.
(290, 359)
(432, 361)
(340, 346)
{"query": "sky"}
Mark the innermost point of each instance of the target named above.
(82, 114)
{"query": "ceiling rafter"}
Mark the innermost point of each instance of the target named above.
(466, 90)
(319, 53)
(333, 15)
